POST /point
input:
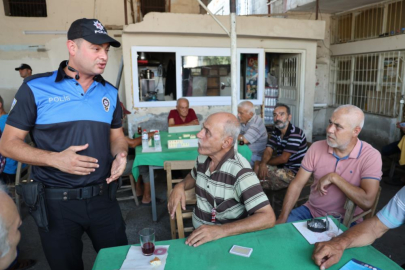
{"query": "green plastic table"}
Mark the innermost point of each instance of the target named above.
(155, 160)
(281, 248)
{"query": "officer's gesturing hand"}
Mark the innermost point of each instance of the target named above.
(118, 167)
(71, 162)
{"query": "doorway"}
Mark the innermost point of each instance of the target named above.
(283, 85)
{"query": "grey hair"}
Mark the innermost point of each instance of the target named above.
(4, 244)
(248, 104)
(232, 129)
(188, 103)
(353, 110)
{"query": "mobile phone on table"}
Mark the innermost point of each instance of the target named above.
(354, 264)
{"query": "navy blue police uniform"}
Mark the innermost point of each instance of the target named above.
(58, 114)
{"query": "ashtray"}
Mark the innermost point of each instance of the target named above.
(317, 225)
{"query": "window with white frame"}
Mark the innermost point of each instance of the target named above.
(373, 82)
(160, 75)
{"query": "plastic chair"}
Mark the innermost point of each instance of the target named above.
(170, 166)
(350, 206)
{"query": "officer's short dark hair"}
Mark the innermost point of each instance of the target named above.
(1, 101)
(285, 106)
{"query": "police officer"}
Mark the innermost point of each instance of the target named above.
(74, 117)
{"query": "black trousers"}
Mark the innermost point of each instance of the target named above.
(99, 217)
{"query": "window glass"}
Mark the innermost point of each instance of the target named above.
(206, 76)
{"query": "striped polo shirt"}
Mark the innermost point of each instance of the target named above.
(255, 132)
(232, 189)
(294, 142)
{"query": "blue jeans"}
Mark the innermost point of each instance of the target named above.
(299, 213)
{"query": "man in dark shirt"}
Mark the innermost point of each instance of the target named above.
(25, 70)
(291, 145)
(74, 117)
(183, 115)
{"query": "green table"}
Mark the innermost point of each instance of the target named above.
(281, 247)
(155, 160)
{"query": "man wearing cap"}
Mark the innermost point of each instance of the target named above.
(25, 70)
(74, 117)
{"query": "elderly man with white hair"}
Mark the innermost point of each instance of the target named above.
(253, 132)
(230, 199)
(343, 167)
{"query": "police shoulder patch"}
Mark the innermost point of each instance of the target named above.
(13, 104)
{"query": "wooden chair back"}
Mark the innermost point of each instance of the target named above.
(170, 166)
(350, 206)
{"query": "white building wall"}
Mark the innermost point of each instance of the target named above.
(17, 48)
(201, 31)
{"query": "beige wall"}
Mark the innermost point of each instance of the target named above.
(184, 30)
(184, 6)
(17, 48)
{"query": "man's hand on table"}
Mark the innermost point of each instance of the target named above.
(328, 253)
(204, 234)
(118, 167)
(177, 196)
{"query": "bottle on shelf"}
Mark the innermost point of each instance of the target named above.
(156, 138)
(145, 141)
(139, 130)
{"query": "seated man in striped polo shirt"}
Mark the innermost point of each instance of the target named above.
(291, 145)
(230, 200)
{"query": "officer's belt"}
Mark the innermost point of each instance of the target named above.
(65, 194)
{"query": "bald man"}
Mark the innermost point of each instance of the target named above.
(253, 132)
(183, 115)
(223, 181)
(9, 234)
(343, 167)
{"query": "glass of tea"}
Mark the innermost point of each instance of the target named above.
(147, 239)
